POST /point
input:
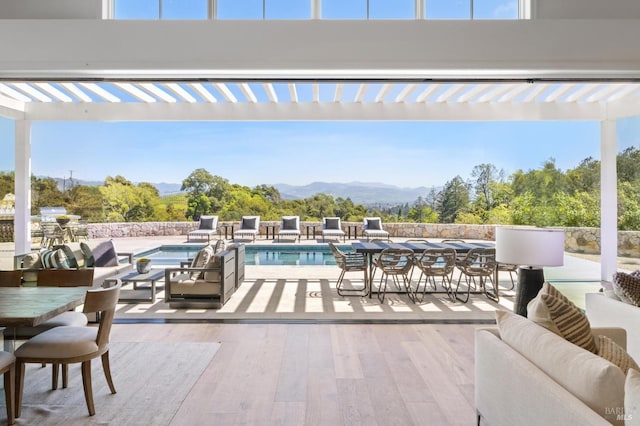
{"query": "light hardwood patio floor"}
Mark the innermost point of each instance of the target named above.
(324, 374)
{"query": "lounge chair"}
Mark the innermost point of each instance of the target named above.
(208, 227)
(249, 227)
(331, 227)
(289, 227)
(372, 228)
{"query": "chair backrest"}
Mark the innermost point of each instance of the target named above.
(52, 229)
(290, 223)
(372, 223)
(452, 240)
(208, 222)
(480, 260)
(331, 223)
(395, 260)
(338, 255)
(65, 277)
(250, 223)
(11, 278)
(104, 301)
(444, 260)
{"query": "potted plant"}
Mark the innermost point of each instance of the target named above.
(143, 265)
(63, 219)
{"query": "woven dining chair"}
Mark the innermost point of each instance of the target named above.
(350, 262)
(478, 264)
(397, 264)
(435, 263)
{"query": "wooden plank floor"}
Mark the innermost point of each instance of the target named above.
(325, 374)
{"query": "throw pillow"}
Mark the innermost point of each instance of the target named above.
(289, 224)
(595, 381)
(332, 223)
(200, 261)
(32, 261)
(105, 254)
(45, 258)
(59, 259)
(71, 258)
(89, 261)
(632, 398)
(206, 223)
(220, 246)
(248, 223)
(374, 224)
(627, 287)
(552, 310)
(611, 351)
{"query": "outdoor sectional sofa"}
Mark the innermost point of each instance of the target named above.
(102, 256)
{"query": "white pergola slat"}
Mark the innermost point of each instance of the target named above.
(179, 91)
(76, 91)
(54, 92)
(202, 91)
(248, 93)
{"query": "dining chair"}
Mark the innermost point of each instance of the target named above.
(65, 277)
(7, 368)
(350, 262)
(435, 263)
(507, 267)
(69, 345)
(397, 264)
(53, 234)
(11, 278)
(480, 264)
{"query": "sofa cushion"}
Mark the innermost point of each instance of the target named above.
(87, 254)
(632, 398)
(105, 254)
(627, 287)
(200, 261)
(553, 311)
(611, 351)
(595, 381)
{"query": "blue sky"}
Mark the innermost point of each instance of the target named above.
(252, 153)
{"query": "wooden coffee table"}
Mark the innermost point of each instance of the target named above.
(137, 278)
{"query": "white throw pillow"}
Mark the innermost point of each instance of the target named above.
(632, 398)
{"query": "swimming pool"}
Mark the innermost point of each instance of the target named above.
(315, 255)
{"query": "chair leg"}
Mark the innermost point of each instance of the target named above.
(86, 383)
(107, 371)
(55, 368)
(9, 390)
(65, 375)
(466, 278)
(19, 386)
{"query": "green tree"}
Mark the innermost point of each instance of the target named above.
(7, 183)
(200, 183)
(45, 193)
(453, 198)
(86, 201)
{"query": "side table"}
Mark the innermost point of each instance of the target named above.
(352, 229)
(271, 228)
(312, 227)
(226, 229)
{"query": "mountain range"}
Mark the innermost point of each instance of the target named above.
(367, 193)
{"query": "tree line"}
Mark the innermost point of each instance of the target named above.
(543, 197)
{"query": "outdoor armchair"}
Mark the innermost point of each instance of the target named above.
(332, 227)
(478, 264)
(350, 262)
(289, 227)
(372, 228)
(249, 228)
(208, 227)
(433, 264)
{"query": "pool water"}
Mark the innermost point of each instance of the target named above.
(315, 255)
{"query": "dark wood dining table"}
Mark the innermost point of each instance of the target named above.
(30, 306)
(373, 247)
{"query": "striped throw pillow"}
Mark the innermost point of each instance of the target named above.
(627, 287)
(612, 352)
(552, 310)
(46, 259)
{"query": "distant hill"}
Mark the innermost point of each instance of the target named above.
(366, 193)
(163, 187)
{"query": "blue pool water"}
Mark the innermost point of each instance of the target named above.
(255, 255)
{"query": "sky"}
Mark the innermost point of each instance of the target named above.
(406, 154)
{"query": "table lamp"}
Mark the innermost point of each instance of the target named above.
(531, 249)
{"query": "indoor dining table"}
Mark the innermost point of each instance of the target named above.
(374, 247)
(30, 306)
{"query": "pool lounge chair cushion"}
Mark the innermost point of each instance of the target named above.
(290, 224)
(374, 225)
(248, 223)
(332, 224)
(206, 223)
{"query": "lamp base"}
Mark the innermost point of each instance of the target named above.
(530, 281)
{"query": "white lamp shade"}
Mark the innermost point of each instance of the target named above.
(530, 246)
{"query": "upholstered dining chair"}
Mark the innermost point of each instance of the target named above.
(397, 264)
(69, 345)
(350, 262)
(7, 368)
(11, 278)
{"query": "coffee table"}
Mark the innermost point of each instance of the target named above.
(137, 278)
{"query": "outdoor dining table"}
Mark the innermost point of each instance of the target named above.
(375, 247)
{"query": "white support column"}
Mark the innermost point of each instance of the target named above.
(22, 217)
(419, 9)
(608, 200)
(316, 9)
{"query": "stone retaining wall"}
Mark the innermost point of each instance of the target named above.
(578, 240)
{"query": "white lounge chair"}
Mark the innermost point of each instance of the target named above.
(208, 227)
(332, 227)
(249, 227)
(372, 228)
(289, 227)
